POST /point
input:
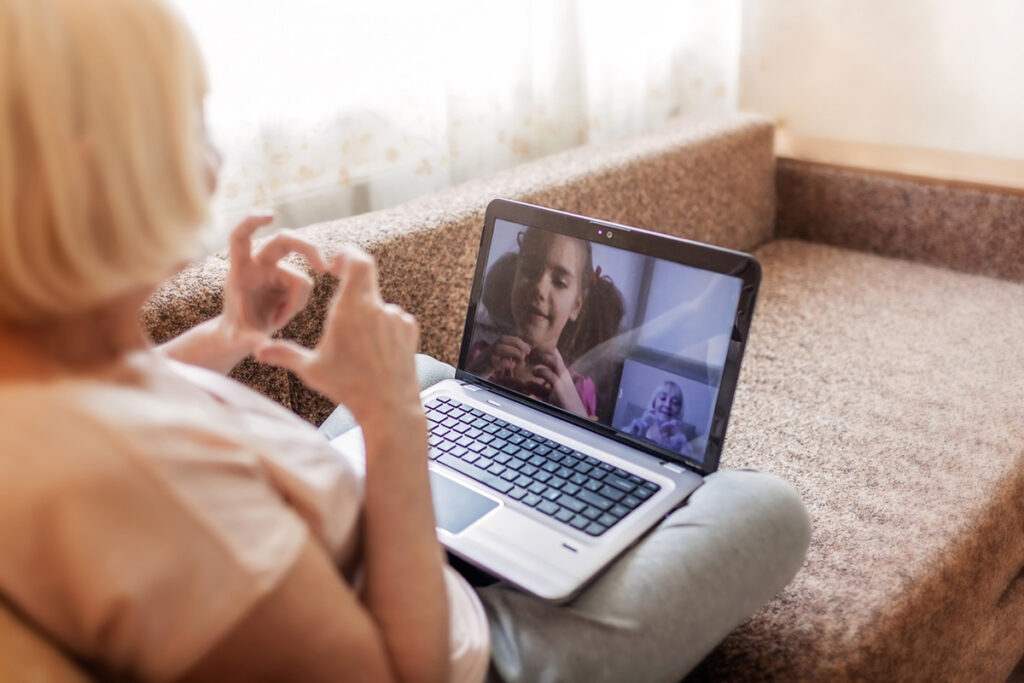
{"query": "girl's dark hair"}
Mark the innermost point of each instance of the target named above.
(602, 309)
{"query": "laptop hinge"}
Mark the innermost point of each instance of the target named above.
(674, 467)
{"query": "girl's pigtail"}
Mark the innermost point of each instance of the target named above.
(598, 321)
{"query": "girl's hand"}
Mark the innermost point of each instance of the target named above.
(262, 294)
(553, 370)
(365, 356)
(503, 356)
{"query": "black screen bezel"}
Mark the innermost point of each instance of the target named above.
(685, 252)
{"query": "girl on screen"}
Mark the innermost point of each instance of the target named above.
(662, 423)
(554, 306)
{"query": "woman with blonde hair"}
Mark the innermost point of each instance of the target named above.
(160, 521)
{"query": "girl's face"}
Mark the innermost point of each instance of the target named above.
(667, 403)
(547, 291)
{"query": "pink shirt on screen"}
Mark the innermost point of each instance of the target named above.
(146, 509)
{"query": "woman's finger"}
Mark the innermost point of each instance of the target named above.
(298, 287)
(284, 243)
(285, 354)
(240, 247)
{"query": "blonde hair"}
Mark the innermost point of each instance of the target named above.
(102, 183)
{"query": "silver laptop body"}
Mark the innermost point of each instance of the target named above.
(660, 385)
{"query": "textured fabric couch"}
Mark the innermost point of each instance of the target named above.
(884, 377)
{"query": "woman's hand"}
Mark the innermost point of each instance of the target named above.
(365, 357)
(502, 356)
(551, 367)
(263, 293)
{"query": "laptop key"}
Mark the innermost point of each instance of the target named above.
(642, 493)
(551, 494)
(579, 522)
(591, 498)
(556, 482)
(523, 481)
(618, 510)
(475, 472)
(518, 493)
(571, 489)
(618, 482)
(537, 487)
(607, 520)
(571, 503)
(631, 502)
(548, 508)
(510, 475)
(613, 493)
(591, 512)
(564, 516)
(531, 499)
(551, 467)
(595, 529)
(501, 457)
(593, 485)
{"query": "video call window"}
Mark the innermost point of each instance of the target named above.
(634, 342)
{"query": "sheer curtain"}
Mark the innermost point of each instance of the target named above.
(324, 108)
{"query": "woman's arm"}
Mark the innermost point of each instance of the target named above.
(365, 359)
(311, 627)
(260, 296)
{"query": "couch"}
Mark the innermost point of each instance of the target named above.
(884, 377)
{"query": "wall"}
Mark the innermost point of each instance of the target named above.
(934, 74)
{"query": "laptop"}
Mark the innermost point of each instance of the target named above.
(592, 393)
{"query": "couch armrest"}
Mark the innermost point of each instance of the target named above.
(967, 227)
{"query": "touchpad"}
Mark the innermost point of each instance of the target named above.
(455, 506)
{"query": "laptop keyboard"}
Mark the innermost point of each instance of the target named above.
(577, 490)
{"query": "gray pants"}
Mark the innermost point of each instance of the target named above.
(665, 604)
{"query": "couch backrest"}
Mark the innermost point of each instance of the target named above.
(709, 180)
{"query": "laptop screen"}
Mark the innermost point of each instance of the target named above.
(635, 342)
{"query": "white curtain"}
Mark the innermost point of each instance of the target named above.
(326, 108)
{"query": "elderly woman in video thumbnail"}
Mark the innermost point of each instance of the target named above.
(555, 306)
(662, 422)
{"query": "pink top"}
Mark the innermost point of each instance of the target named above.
(146, 509)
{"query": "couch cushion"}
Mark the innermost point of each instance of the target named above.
(890, 394)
